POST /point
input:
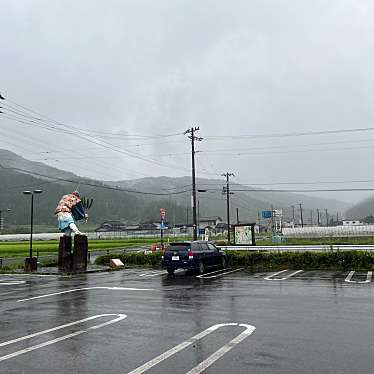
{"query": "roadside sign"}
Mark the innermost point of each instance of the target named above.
(267, 214)
(162, 213)
(201, 231)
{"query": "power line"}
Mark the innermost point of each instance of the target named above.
(290, 134)
(87, 137)
(90, 184)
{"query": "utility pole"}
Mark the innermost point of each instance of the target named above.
(311, 217)
(327, 217)
(198, 216)
(237, 216)
(293, 214)
(227, 175)
(301, 214)
(318, 218)
(193, 138)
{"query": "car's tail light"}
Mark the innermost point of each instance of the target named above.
(190, 255)
(162, 257)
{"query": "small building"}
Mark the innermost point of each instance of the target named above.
(112, 226)
(353, 223)
(210, 222)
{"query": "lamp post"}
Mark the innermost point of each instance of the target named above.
(31, 262)
(2, 218)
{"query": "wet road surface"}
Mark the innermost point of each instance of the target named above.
(142, 320)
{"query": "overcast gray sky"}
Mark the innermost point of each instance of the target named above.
(154, 68)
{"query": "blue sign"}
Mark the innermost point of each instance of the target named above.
(267, 214)
(162, 225)
(201, 231)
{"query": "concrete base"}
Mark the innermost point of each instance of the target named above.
(70, 260)
(80, 253)
(31, 264)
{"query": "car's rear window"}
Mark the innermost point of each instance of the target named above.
(179, 247)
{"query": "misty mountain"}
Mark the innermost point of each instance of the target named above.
(362, 209)
(18, 174)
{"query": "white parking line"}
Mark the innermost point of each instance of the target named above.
(350, 275)
(53, 341)
(249, 330)
(271, 277)
(153, 273)
(156, 273)
(11, 283)
(86, 289)
(208, 276)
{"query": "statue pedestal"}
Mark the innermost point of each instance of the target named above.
(80, 253)
(76, 260)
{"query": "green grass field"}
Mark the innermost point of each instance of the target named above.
(50, 247)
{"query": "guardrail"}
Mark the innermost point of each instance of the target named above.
(299, 248)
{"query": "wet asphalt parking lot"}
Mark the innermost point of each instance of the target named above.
(231, 321)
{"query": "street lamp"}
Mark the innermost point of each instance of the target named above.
(2, 219)
(31, 262)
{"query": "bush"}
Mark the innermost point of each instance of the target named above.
(152, 259)
(352, 260)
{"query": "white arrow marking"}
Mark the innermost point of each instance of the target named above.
(249, 330)
(53, 341)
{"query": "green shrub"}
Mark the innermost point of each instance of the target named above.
(350, 260)
(152, 259)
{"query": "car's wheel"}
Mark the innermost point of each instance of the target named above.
(223, 263)
(170, 271)
(201, 267)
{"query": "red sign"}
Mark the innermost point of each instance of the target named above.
(162, 213)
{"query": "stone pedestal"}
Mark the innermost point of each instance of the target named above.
(65, 256)
(80, 253)
(70, 259)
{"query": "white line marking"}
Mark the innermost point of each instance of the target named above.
(11, 283)
(53, 341)
(156, 273)
(206, 276)
(32, 275)
(350, 275)
(86, 289)
(152, 274)
(170, 352)
(271, 277)
(223, 350)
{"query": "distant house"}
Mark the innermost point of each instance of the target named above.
(221, 228)
(353, 223)
(112, 226)
(209, 222)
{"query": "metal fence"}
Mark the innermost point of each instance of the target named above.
(329, 232)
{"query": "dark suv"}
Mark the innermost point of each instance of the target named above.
(196, 255)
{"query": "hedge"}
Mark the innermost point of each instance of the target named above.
(349, 260)
(151, 259)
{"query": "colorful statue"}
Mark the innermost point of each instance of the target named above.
(70, 209)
